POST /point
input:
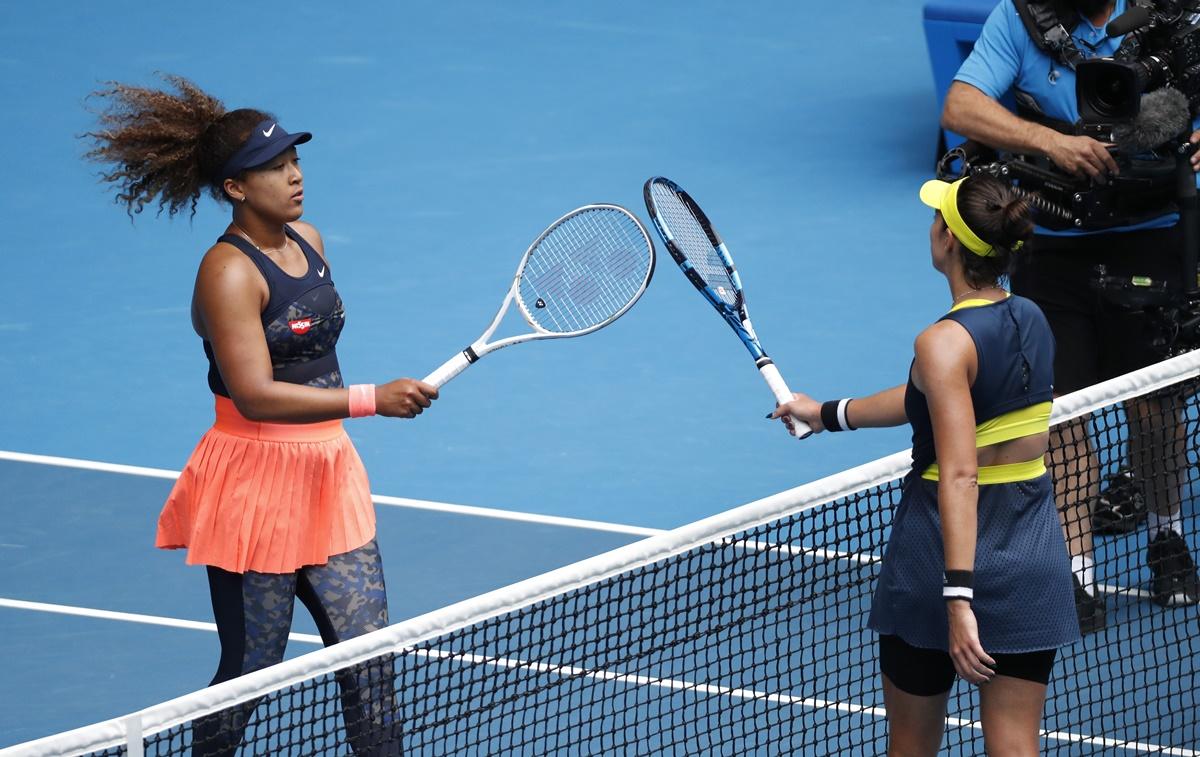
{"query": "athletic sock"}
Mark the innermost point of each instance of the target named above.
(1081, 566)
(1159, 523)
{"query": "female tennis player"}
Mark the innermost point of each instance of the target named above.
(274, 500)
(975, 579)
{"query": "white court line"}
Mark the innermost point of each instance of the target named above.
(547, 520)
(605, 675)
(130, 617)
(414, 504)
(67, 462)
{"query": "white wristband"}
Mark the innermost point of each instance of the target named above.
(958, 592)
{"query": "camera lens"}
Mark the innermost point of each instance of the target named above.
(1110, 90)
(1112, 94)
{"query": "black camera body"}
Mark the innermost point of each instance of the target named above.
(1145, 189)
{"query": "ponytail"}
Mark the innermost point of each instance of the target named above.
(166, 146)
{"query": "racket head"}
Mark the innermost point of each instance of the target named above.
(693, 243)
(701, 254)
(584, 271)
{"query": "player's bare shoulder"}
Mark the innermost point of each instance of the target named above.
(944, 348)
(942, 337)
(225, 275)
(224, 262)
(225, 271)
(310, 235)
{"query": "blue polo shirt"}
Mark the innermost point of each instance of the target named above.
(1006, 58)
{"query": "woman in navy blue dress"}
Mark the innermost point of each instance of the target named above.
(976, 579)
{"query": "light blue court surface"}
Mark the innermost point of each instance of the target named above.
(448, 135)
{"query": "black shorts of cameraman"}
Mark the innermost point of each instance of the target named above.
(1100, 335)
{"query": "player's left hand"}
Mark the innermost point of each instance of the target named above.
(970, 661)
(1195, 139)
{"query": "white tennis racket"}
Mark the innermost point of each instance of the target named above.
(579, 275)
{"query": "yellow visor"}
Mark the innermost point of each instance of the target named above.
(943, 197)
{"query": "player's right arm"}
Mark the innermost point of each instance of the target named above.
(880, 410)
(975, 115)
(229, 297)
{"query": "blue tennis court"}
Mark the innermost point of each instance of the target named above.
(88, 524)
(447, 136)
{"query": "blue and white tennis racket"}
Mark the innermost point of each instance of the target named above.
(704, 259)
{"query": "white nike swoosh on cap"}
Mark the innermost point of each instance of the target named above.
(268, 132)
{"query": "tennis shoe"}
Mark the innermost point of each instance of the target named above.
(1174, 582)
(1121, 507)
(1090, 609)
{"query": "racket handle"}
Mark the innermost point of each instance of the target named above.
(448, 370)
(782, 395)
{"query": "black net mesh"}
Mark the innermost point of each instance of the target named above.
(757, 642)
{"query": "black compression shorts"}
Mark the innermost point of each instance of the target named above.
(930, 672)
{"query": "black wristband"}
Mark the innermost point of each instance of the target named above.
(959, 584)
(834, 417)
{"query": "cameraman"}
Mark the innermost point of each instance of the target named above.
(1096, 340)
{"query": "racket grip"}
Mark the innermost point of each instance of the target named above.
(448, 370)
(782, 394)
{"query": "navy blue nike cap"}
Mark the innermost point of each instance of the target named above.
(267, 140)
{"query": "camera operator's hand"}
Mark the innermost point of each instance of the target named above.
(1195, 139)
(1082, 156)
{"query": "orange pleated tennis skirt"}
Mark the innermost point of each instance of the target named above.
(268, 497)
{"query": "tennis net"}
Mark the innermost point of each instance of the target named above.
(742, 633)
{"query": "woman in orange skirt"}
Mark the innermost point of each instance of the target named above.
(274, 499)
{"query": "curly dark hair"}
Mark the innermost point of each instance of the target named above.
(998, 216)
(166, 145)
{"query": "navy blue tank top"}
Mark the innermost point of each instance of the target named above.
(302, 320)
(1015, 349)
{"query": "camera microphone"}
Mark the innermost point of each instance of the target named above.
(1164, 115)
(1134, 18)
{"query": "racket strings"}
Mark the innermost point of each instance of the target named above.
(693, 243)
(585, 271)
(580, 287)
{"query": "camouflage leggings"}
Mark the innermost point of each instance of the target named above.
(253, 611)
